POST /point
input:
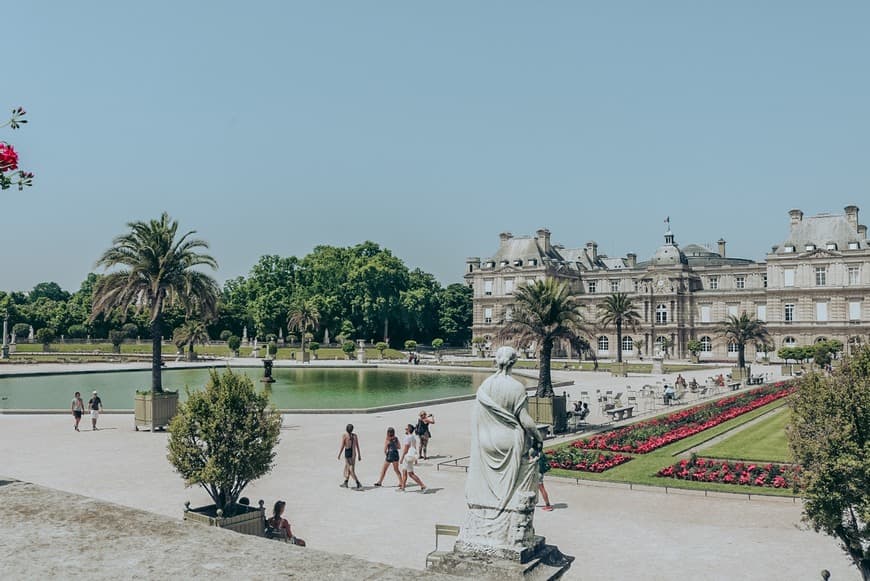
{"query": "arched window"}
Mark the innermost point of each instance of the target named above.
(706, 344)
(789, 342)
(661, 314)
(821, 339)
(603, 344)
(732, 349)
(627, 344)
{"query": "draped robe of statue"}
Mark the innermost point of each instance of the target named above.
(501, 489)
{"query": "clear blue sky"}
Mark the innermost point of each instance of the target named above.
(271, 127)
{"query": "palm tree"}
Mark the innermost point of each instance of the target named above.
(193, 331)
(304, 317)
(618, 310)
(544, 312)
(157, 269)
(742, 330)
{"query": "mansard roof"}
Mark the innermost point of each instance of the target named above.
(820, 231)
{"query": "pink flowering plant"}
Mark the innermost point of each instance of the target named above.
(646, 436)
(755, 474)
(10, 174)
(570, 458)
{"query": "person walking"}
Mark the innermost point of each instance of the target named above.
(543, 468)
(95, 404)
(391, 453)
(422, 432)
(78, 407)
(409, 458)
(350, 449)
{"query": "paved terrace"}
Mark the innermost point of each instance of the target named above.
(614, 533)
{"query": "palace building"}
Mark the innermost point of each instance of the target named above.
(812, 286)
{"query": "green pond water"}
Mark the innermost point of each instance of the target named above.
(294, 388)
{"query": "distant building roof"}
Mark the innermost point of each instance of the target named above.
(821, 231)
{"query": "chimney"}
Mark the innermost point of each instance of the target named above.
(544, 239)
(862, 231)
(504, 237)
(592, 250)
(721, 243)
(852, 215)
(631, 259)
(472, 263)
(796, 216)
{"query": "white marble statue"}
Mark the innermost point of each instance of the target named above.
(501, 489)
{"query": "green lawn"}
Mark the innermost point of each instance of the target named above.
(642, 469)
(764, 442)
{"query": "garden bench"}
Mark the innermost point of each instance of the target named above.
(756, 379)
(733, 385)
(441, 531)
(622, 413)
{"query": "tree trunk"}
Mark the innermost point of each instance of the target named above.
(545, 382)
(190, 351)
(741, 355)
(156, 354)
(618, 341)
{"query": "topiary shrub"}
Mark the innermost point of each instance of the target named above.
(349, 347)
(46, 336)
(225, 335)
(131, 330)
(272, 349)
(313, 347)
(381, 347)
(234, 343)
(116, 338)
(21, 330)
(410, 345)
(77, 331)
(224, 437)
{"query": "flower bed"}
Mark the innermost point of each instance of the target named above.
(650, 435)
(739, 473)
(569, 458)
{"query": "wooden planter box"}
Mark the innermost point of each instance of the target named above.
(154, 412)
(619, 370)
(550, 410)
(248, 520)
(738, 374)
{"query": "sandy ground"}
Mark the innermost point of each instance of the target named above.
(614, 533)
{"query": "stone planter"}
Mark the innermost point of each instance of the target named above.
(738, 374)
(247, 520)
(550, 410)
(155, 411)
(695, 358)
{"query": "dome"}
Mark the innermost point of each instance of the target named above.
(697, 250)
(669, 255)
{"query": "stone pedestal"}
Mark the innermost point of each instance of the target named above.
(657, 368)
(541, 562)
(361, 351)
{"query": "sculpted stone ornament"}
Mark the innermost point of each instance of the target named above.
(498, 538)
(502, 486)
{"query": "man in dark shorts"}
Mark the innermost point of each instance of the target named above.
(96, 406)
(77, 407)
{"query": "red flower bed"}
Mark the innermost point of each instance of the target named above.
(569, 458)
(739, 473)
(650, 435)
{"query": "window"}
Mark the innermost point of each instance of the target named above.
(705, 313)
(508, 286)
(732, 310)
(854, 310)
(831, 246)
(614, 286)
(592, 286)
(854, 275)
(487, 315)
(660, 341)
(853, 246)
(810, 247)
(789, 342)
(503, 263)
(741, 282)
(764, 280)
(821, 311)
(661, 314)
(518, 262)
(714, 282)
(788, 249)
(761, 312)
(603, 344)
(788, 277)
(509, 313)
(732, 349)
(533, 262)
(821, 275)
(789, 312)
(487, 286)
(627, 344)
(636, 286)
(706, 344)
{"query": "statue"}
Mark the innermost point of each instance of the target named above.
(501, 489)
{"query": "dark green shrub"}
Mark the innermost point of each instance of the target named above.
(225, 335)
(349, 347)
(46, 336)
(77, 332)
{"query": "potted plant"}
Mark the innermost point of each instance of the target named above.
(694, 348)
(223, 438)
(233, 343)
(46, 336)
(382, 348)
(314, 346)
(437, 346)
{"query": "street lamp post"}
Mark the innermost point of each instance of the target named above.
(5, 352)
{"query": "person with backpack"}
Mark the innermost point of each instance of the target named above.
(423, 434)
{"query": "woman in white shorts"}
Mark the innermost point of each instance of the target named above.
(409, 458)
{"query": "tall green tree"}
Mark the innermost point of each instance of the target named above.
(455, 314)
(741, 330)
(618, 310)
(829, 436)
(157, 268)
(304, 318)
(189, 334)
(545, 312)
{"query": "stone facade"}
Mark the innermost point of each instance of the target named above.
(814, 285)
